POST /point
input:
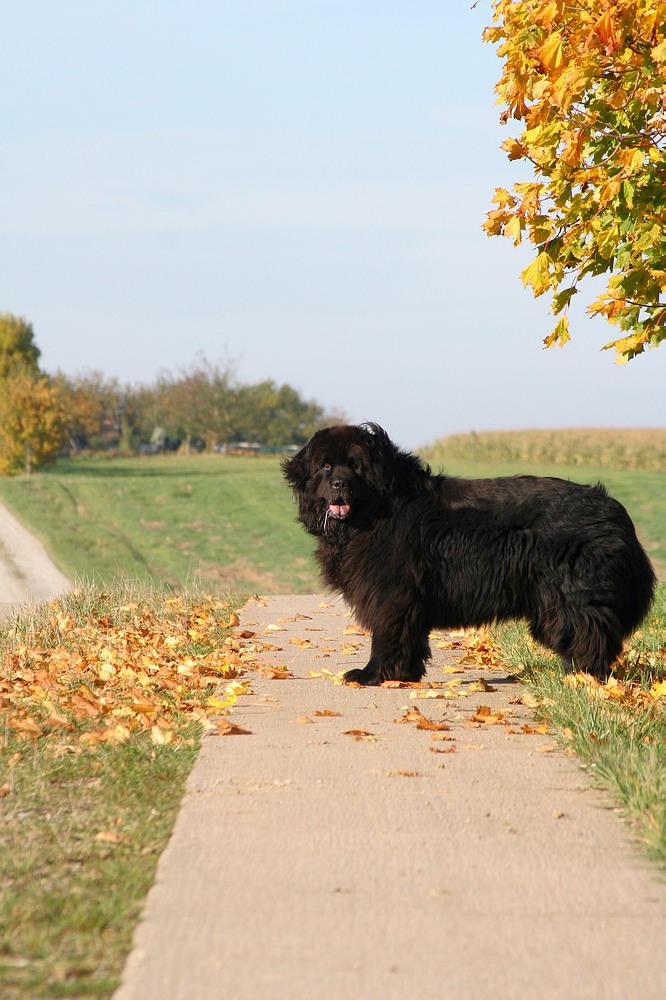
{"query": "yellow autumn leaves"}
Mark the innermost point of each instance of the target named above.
(113, 675)
(587, 82)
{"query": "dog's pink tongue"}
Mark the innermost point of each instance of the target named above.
(339, 510)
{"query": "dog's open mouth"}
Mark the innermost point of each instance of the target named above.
(339, 510)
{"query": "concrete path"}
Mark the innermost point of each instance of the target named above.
(27, 574)
(350, 855)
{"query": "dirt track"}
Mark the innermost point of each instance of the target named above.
(27, 574)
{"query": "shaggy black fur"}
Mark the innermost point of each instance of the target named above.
(412, 551)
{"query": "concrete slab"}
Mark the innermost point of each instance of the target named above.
(347, 855)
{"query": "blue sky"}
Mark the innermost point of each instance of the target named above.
(297, 186)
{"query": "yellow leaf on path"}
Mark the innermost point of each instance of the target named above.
(485, 715)
(422, 722)
(353, 630)
(481, 685)
(336, 678)
(275, 673)
(226, 728)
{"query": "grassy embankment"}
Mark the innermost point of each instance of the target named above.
(92, 773)
(220, 524)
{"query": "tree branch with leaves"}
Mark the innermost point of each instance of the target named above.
(587, 80)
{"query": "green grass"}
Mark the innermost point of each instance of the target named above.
(68, 901)
(70, 898)
(221, 524)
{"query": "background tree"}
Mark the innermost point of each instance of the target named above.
(17, 345)
(276, 415)
(197, 404)
(31, 422)
(90, 403)
(588, 82)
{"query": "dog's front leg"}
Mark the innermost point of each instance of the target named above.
(399, 650)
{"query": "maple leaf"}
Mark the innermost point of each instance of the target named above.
(226, 728)
(275, 673)
(416, 716)
(485, 715)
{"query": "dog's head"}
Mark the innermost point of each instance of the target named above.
(342, 476)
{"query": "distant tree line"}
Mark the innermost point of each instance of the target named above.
(203, 407)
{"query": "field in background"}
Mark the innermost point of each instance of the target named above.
(228, 524)
(641, 448)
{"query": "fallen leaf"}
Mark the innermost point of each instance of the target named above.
(326, 712)
(305, 719)
(402, 773)
(481, 685)
(416, 716)
(450, 749)
(160, 736)
(485, 715)
(353, 630)
(111, 837)
(359, 734)
(5, 790)
(226, 728)
(275, 673)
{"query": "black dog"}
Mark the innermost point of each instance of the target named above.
(412, 551)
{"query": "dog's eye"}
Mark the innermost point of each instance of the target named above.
(326, 466)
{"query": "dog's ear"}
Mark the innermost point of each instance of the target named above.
(296, 470)
(384, 464)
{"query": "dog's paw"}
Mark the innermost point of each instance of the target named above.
(367, 677)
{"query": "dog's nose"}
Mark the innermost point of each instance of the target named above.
(337, 483)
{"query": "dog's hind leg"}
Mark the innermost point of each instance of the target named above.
(588, 640)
